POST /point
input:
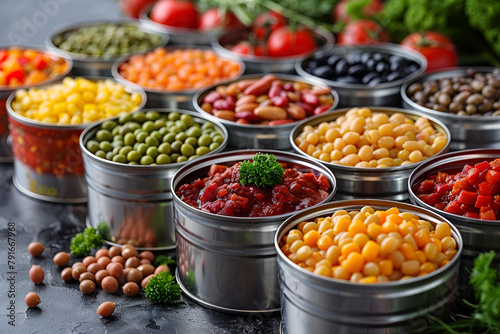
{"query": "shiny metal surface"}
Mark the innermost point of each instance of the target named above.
(134, 201)
(5, 150)
(386, 94)
(87, 65)
(229, 263)
(358, 182)
(158, 98)
(258, 64)
(180, 36)
(467, 132)
(47, 186)
(478, 235)
(245, 136)
(314, 304)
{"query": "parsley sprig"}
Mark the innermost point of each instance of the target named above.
(264, 171)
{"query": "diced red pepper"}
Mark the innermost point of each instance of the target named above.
(495, 165)
(471, 214)
(454, 208)
(486, 213)
(459, 185)
(210, 193)
(216, 169)
(482, 200)
(473, 175)
(425, 187)
(39, 62)
(430, 199)
(22, 61)
(440, 206)
(482, 166)
(442, 188)
(18, 75)
(484, 189)
(3, 55)
(222, 192)
(492, 177)
(441, 177)
(467, 197)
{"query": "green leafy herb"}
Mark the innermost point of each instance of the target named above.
(82, 243)
(104, 230)
(162, 259)
(485, 316)
(162, 288)
(264, 171)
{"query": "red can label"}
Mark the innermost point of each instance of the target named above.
(47, 151)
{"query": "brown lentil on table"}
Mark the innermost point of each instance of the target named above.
(475, 93)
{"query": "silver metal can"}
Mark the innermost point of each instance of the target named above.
(229, 263)
(384, 94)
(179, 99)
(48, 161)
(479, 235)
(364, 182)
(133, 203)
(468, 131)
(87, 65)
(248, 136)
(311, 303)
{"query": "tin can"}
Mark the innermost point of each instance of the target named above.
(48, 161)
(312, 303)
(133, 203)
(228, 263)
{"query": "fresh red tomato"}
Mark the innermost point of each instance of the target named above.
(340, 10)
(437, 48)
(362, 32)
(284, 42)
(132, 8)
(212, 19)
(175, 13)
(267, 22)
(245, 48)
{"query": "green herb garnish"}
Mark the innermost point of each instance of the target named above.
(264, 171)
(162, 259)
(82, 243)
(162, 288)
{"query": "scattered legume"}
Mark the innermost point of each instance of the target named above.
(36, 248)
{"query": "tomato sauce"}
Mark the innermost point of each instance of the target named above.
(221, 193)
(473, 192)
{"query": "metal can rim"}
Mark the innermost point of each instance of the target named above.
(445, 73)
(93, 126)
(380, 47)
(248, 220)
(42, 125)
(331, 207)
(319, 118)
(201, 93)
(88, 23)
(120, 61)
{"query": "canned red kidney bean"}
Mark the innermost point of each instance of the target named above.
(475, 93)
(267, 101)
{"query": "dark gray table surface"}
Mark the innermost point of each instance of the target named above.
(63, 308)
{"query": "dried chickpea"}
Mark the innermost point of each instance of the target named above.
(375, 138)
(368, 246)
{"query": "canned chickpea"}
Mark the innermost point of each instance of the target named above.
(371, 151)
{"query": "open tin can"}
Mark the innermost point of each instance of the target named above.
(48, 161)
(133, 203)
(311, 303)
(228, 263)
